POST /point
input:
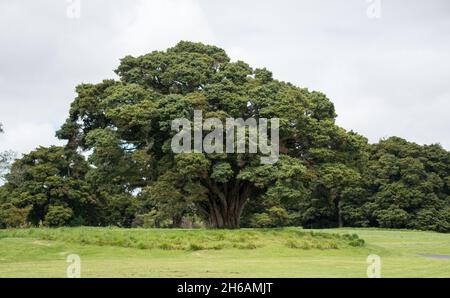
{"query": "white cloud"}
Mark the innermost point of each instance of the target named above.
(157, 25)
(45, 54)
(383, 75)
(386, 77)
(27, 136)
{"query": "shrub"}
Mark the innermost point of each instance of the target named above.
(273, 217)
(357, 242)
(194, 246)
(261, 220)
(13, 217)
(58, 216)
(431, 219)
(279, 216)
(392, 218)
(350, 236)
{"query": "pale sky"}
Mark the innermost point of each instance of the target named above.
(387, 71)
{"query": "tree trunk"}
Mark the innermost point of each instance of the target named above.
(226, 210)
(224, 218)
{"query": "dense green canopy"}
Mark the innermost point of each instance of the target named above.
(407, 186)
(48, 183)
(325, 175)
(127, 124)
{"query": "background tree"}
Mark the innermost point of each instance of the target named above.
(48, 184)
(407, 186)
(6, 158)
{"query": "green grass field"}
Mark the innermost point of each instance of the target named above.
(289, 252)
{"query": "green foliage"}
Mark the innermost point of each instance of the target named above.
(118, 209)
(127, 125)
(13, 217)
(406, 187)
(152, 219)
(6, 158)
(353, 239)
(432, 219)
(58, 216)
(261, 220)
(48, 184)
(273, 217)
(325, 176)
(391, 218)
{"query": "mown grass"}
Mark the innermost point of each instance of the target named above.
(190, 240)
(289, 252)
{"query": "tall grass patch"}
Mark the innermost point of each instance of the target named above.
(189, 240)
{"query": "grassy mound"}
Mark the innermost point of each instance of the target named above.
(192, 240)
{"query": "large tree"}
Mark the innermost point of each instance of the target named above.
(127, 125)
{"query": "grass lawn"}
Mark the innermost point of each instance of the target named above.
(288, 252)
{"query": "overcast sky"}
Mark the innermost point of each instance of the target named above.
(387, 71)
